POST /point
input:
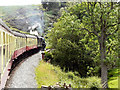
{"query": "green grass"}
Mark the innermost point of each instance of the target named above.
(114, 77)
(47, 74)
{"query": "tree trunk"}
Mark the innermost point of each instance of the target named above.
(104, 73)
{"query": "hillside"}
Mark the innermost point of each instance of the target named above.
(23, 17)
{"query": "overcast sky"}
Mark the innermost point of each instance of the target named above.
(30, 2)
(18, 2)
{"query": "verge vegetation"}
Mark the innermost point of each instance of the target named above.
(48, 75)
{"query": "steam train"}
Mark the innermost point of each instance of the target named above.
(12, 45)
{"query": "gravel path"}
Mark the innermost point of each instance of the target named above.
(24, 74)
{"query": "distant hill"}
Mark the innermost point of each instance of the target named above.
(23, 17)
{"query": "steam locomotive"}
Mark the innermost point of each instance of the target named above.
(12, 45)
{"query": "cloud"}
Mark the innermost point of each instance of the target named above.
(18, 2)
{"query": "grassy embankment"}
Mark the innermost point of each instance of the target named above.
(47, 74)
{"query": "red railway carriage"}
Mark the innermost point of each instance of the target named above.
(31, 42)
(6, 51)
(12, 45)
(20, 43)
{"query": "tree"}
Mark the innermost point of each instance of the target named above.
(100, 19)
(70, 52)
(98, 22)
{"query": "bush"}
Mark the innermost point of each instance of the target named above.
(113, 76)
(48, 56)
(68, 42)
(70, 75)
(94, 82)
(90, 82)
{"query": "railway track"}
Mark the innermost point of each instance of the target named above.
(23, 75)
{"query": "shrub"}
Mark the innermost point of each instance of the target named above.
(70, 75)
(113, 76)
(94, 82)
(48, 56)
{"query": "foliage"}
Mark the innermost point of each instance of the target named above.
(113, 83)
(48, 56)
(93, 16)
(114, 77)
(69, 49)
(101, 20)
(86, 31)
(52, 13)
(93, 82)
(49, 75)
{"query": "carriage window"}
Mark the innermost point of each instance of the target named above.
(0, 60)
(10, 46)
(0, 55)
(21, 44)
(4, 57)
(7, 53)
(0, 38)
(7, 39)
(3, 38)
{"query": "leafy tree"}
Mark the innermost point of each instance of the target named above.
(101, 20)
(98, 24)
(69, 51)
